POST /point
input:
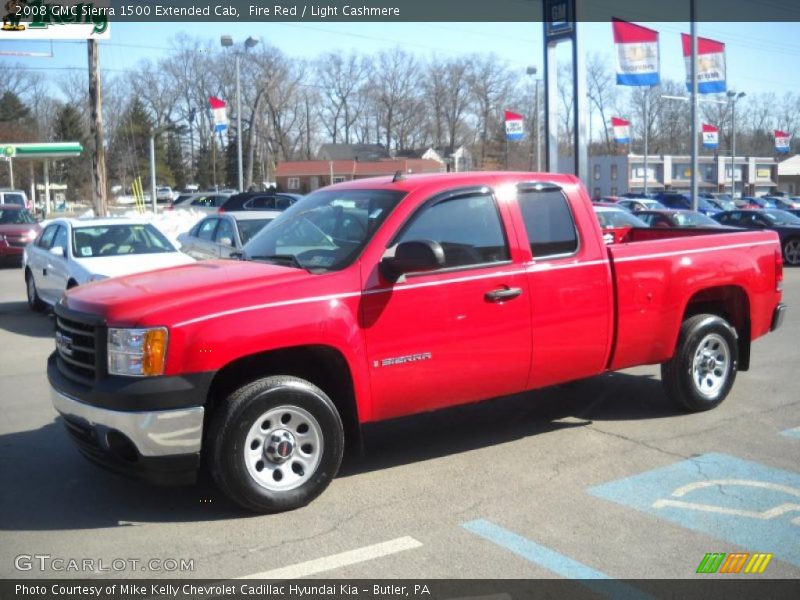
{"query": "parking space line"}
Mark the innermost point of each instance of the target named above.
(553, 561)
(795, 433)
(334, 561)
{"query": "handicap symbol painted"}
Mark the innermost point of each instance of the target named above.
(746, 503)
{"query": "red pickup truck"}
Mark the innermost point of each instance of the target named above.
(373, 299)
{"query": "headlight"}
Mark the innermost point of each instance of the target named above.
(137, 352)
(30, 235)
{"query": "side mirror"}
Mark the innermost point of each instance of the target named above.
(412, 257)
(57, 251)
(226, 241)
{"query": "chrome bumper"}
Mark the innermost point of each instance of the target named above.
(154, 433)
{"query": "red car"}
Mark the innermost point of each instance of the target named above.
(677, 218)
(378, 298)
(615, 222)
(17, 229)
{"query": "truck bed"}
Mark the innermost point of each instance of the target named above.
(659, 272)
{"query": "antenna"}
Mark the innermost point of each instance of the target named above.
(398, 176)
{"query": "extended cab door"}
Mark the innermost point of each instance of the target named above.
(569, 278)
(457, 334)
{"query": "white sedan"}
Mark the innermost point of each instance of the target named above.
(72, 252)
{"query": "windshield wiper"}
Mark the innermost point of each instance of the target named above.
(289, 260)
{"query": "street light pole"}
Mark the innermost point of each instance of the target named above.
(532, 71)
(733, 98)
(227, 41)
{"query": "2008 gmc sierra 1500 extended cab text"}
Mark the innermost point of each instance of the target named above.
(378, 298)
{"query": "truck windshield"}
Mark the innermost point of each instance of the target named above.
(324, 231)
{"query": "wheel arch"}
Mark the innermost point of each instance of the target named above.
(324, 366)
(731, 303)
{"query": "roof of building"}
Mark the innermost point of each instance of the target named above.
(789, 167)
(366, 152)
(356, 168)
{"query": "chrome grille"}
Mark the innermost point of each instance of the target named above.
(77, 345)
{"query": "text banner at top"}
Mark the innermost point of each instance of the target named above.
(42, 14)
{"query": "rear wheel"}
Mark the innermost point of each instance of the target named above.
(276, 444)
(701, 373)
(34, 302)
(791, 251)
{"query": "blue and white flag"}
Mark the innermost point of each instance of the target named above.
(782, 141)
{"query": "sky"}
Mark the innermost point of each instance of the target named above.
(761, 57)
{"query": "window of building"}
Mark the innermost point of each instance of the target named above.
(293, 183)
(339, 179)
(596, 193)
(596, 171)
(614, 191)
(548, 222)
(614, 172)
(467, 227)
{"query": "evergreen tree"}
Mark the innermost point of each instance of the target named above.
(74, 172)
(231, 163)
(12, 109)
(174, 161)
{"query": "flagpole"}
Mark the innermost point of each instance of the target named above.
(646, 127)
(693, 71)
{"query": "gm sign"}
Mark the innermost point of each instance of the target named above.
(559, 18)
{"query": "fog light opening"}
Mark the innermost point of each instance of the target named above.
(121, 446)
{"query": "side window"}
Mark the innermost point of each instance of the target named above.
(260, 203)
(47, 237)
(548, 222)
(206, 231)
(283, 202)
(225, 230)
(61, 240)
(467, 227)
(203, 201)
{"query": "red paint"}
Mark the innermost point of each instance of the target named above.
(580, 315)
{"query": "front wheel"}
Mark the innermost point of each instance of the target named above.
(701, 373)
(276, 444)
(791, 252)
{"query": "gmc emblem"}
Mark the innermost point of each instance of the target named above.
(64, 343)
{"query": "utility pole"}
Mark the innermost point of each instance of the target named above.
(96, 124)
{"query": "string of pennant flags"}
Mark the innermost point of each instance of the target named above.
(638, 64)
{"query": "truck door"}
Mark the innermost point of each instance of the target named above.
(457, 334)
(569, 279)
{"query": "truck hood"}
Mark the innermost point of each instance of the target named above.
(130, 299)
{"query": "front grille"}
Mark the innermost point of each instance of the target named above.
(17, 242)
(79, 347)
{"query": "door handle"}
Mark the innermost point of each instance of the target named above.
(505, 293)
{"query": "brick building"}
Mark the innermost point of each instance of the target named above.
(304, 176)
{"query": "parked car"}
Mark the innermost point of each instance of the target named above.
(71, 252)
(208, 202)
(223, 235)
(616, 223)
(18, 228)
(639, 204)
(683, 202)
(684, 219)
(165, 194)
(719, 201)
(259, 201)
(756, 202)
(18, 197)
(784, 223)
(260, 366)
(785, 202)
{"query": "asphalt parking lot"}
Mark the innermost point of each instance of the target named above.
(602, 476)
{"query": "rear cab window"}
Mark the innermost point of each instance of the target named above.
(548, 222)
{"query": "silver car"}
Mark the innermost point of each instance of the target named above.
(221, 235)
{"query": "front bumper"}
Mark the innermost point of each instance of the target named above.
(777, 316)
(159, 446)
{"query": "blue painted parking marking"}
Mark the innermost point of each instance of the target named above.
(795, 433)
(553, 561)
(746, 503)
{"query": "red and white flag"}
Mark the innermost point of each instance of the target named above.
(710, 65)
(710, 136)
(622, 130)
(636, 53)
(782, 141)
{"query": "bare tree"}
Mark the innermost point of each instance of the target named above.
(602, 91)
(490, 83)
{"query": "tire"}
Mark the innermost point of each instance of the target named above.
(34, 302)
(276, 444)
(791, 252)
(701, 373)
